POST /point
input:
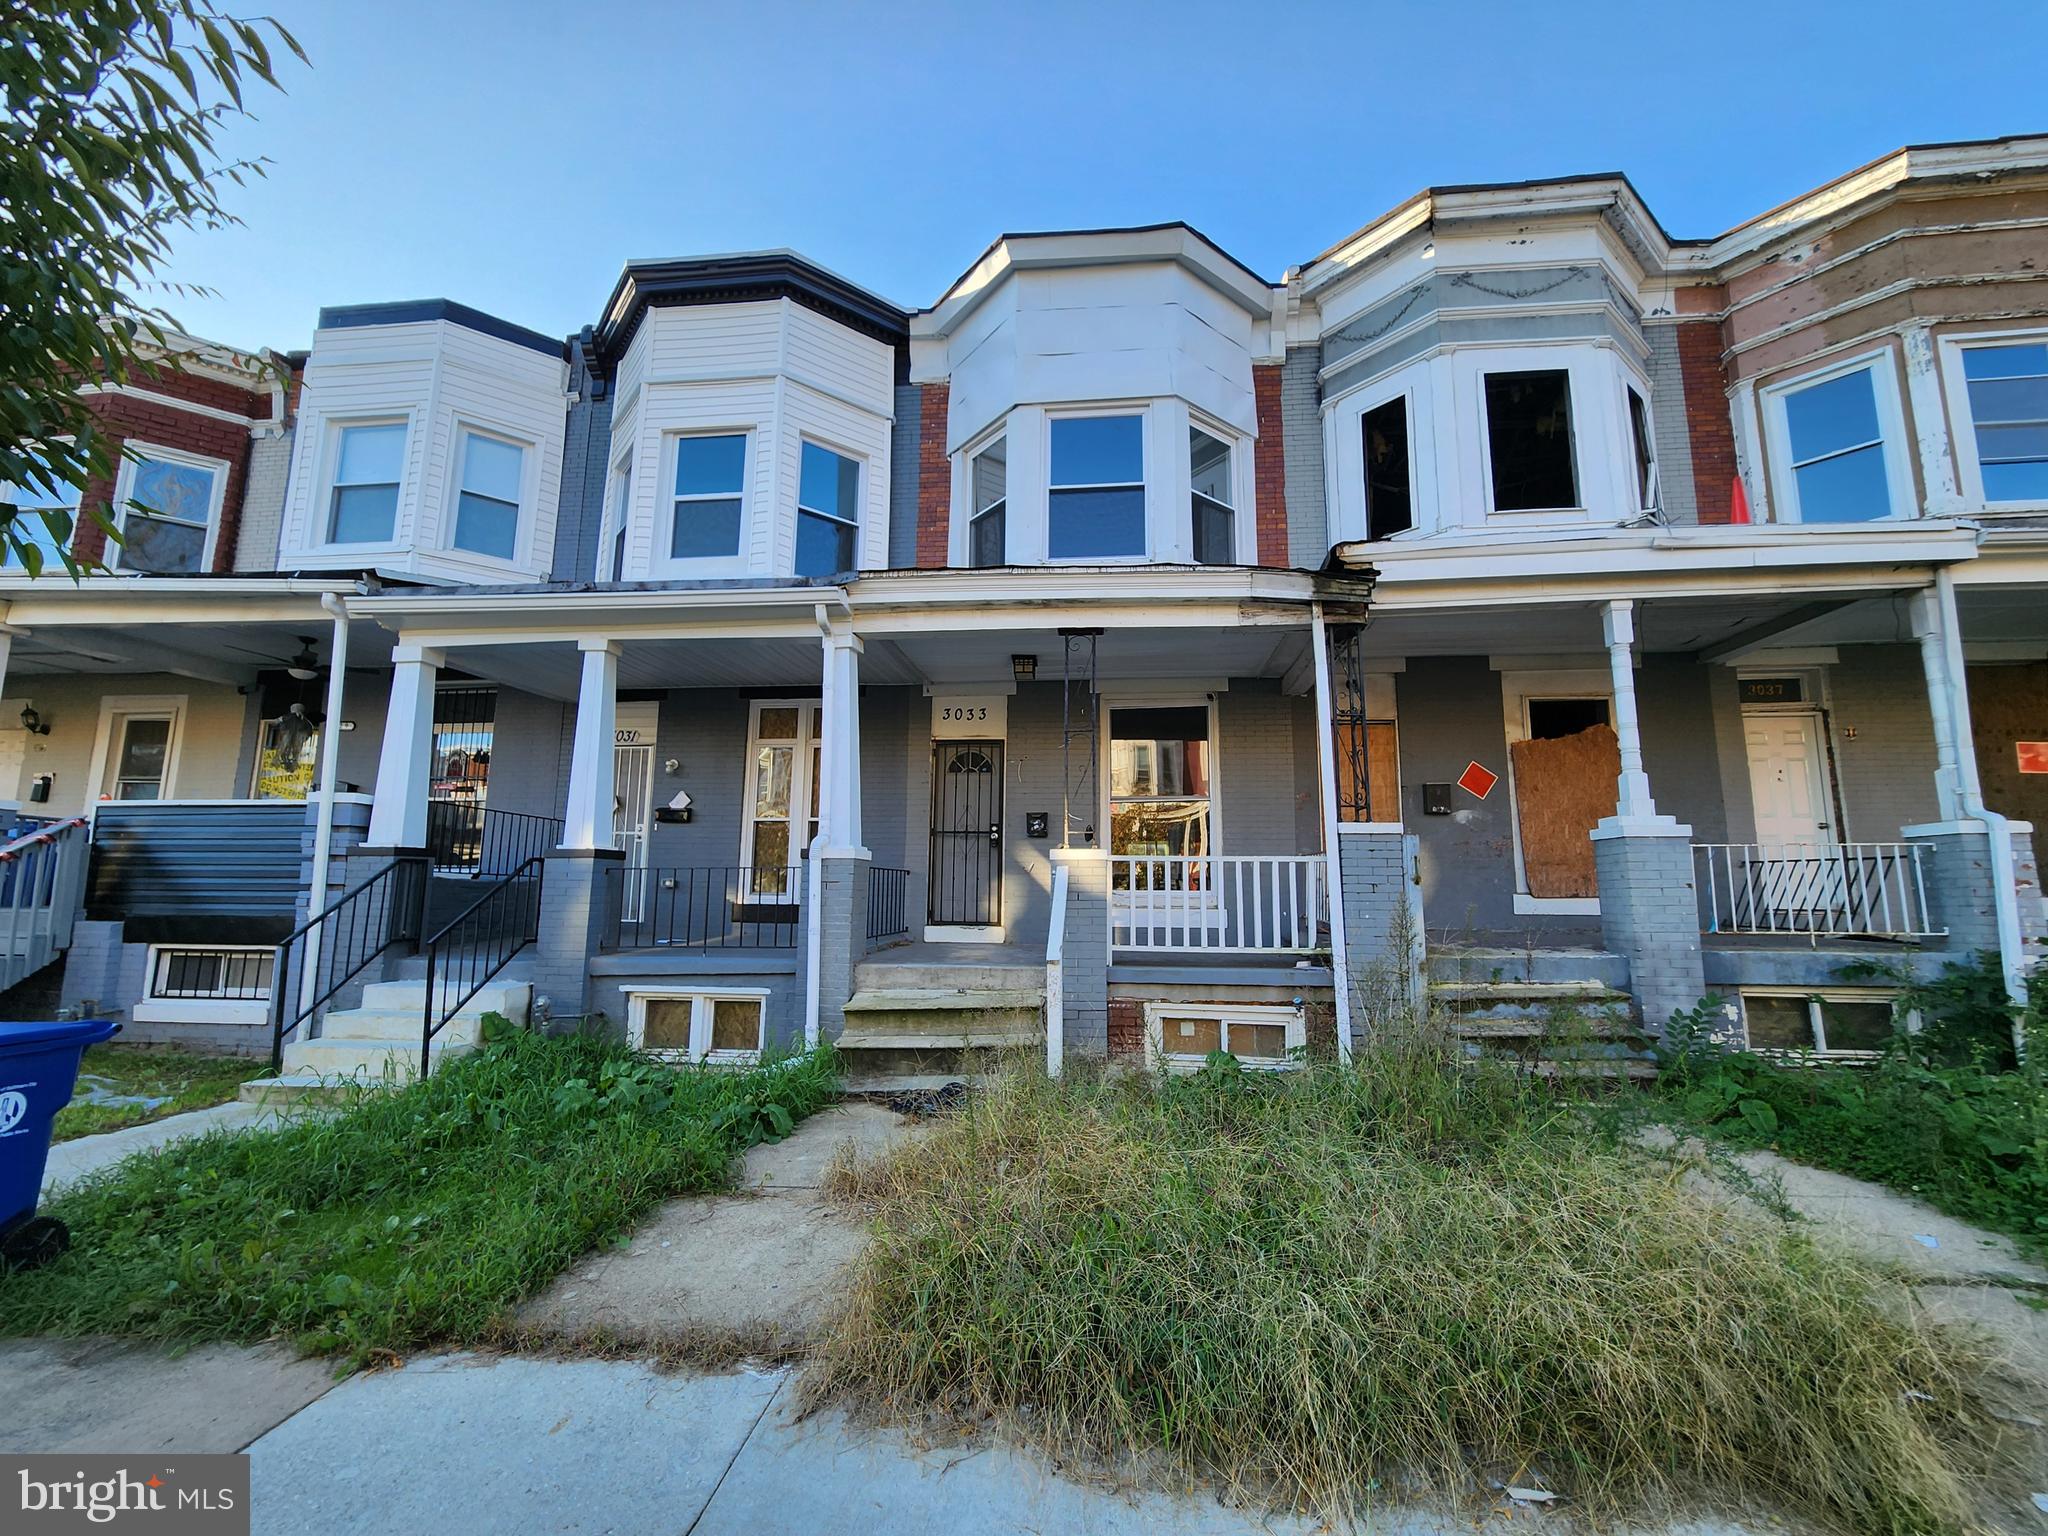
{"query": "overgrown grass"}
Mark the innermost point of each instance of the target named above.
(183, 1079)
(412, 1216)
(1384, 1277)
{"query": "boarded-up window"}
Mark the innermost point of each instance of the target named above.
(1563, 786)
(1379, 798)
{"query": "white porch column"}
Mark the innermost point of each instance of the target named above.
(587, 817)
(398, 816)
(1333, 861)
(839, 809)
(1632, 798)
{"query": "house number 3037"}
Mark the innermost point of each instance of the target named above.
(964, 712)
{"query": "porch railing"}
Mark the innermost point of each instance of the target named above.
(1253, 904)
(472, 947)
(42, 880)
(1840, 890)
(888, 903)
(464, 838)
(334, 946)
(725, 907)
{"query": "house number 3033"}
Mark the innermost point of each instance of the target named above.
(964, 712)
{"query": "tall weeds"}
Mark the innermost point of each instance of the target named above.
(1385, 1275)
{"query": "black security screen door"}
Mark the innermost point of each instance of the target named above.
(967, 834)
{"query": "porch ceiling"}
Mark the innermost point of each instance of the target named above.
(210, 652)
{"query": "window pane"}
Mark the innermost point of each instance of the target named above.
(1857, 1024)
(778, 724)
(824, 547)
(371, 455)
(1159, 751)
(667, 1024)
(1258, 1042)
(772, 768)
(486, 526)
(492, 468)
(1087, 525)
(1552, 718)
(829, 482)
(2016, 482)
(622, 509)
(710, 466)
(735, 1024)
(1191, 1037)
(1826, 418)
(1389, 492)
(1778, 1023)
(1098, 450)
(2005, 362)
(991, 474)
(1646, 453)
(1215, 533)
(144, 746)
(987, 536)
(151, 544)
(1849, 488)
(2004, 444)
(1160, 829)
(364, 514)
(771, 855)
(1209, 466)
(706, 529)
(173, 490)
(1996, 400)
(1529, 433)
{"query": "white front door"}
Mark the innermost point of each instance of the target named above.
(1788, 781)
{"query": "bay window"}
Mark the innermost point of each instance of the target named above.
(709, 496)
(1529, 440)
(989, 489)
(369, 463)
(1645, 448)
(2007, 388)
(1215, 520)
(1095, 506)
(827, 512)
(1832, 442)
(1389, 480)
(487, 505)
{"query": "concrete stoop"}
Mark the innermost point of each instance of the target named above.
(379, 1041)
(927, 1024)
(1562, 1011)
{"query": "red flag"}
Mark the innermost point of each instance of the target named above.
(1738, 503)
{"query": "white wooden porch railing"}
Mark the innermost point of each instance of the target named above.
(1254, 904)
(42, 882)
(1846, 890)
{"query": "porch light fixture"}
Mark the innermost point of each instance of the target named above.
(1024, 668)
(306, 665)
(33, 722)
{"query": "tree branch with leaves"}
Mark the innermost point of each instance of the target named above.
(111, 113)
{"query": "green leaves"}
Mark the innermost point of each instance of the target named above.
(112, 108)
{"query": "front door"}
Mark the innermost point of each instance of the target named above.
(1788, 780)
(967, 834)
(632, 805)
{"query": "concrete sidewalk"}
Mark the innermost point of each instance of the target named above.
(72, 1160)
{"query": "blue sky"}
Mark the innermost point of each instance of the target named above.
(513, 155)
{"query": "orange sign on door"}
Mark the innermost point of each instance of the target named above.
(2033, 756)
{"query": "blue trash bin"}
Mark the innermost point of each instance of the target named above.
(38, 1069)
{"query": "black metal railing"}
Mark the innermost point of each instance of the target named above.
(224, 975)
(455, 834)
(888, 903)
(733, 907)
(465, 838)
(476, 944)
(385, 910)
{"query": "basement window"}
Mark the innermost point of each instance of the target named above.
(1389, 479)
(1844, 1024)
(1529, 440)
(1266, 1038)
(235, 975)
(720, 1027)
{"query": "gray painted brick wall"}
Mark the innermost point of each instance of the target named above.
(263, 488)
(1649, 915)
(577, 893)
(1879, 693)
(1301, 425)
(842, 913)
(1376, 871)
(903, 472)
(586, 461)
(1672, 438)
(1084, 961)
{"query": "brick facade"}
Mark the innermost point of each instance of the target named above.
(1269, 465)
(1127, 1030)
(934, 479)
(1709, 426)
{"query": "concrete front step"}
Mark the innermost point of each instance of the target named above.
(1476, 964)
(946, 976)
(294, 1088)
(1482, 993)
(367, 1060)
(939, 1038)
(511, 998)
(939, 1000)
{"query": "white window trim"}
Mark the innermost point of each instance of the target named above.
(960, 539)
(1168, 700)
(1344, 448)
(1244, 512)
(124, 488)
(147, 706)
(1295, 1019)
(700, 1001)
(1891, 425)
(1964, 433)
(809, 719)
(320, 536)
(529, 475)
(1147, 473)
(1516, 690)
(662, 534)
(1584, 463)
(1628, 381)
(618, 497)
(798, 511)
(1905, 1023)
(151, 1009)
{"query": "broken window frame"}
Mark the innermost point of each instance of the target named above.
(1489, 438)
(1405, 402)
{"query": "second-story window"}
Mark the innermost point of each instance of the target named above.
(710, 472)
(167, 513)
(487, 510)
(622, 510)
(1529, 440)
(1835, 443)
(2008, 387)
(1096, 503)
(44, 496)
(1389, 488)
(1645, 449)
(989, 486)
(367, 469)
(827, 512)
(1209, 480)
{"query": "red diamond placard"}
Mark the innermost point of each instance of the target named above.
(1477, 781)
(2033, 756)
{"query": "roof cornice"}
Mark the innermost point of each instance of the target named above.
(738, 279)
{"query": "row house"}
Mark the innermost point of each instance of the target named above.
(1126, 655)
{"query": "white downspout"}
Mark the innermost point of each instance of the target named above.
(1333, 861)
(330, 763)
(2005, 894)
